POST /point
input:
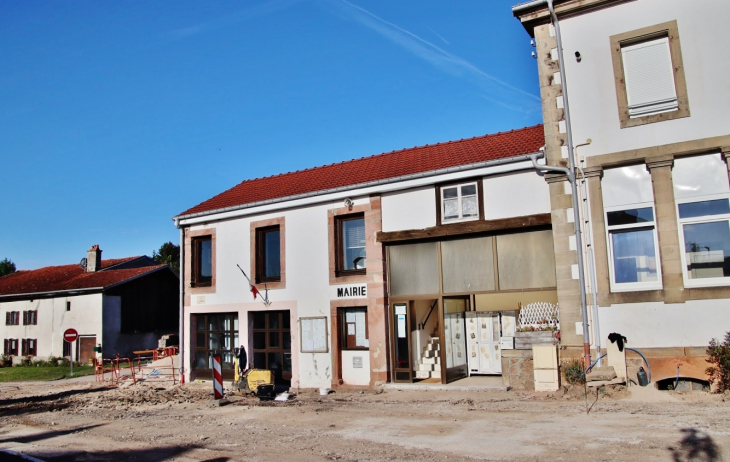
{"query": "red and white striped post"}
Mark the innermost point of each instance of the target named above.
(217, 378)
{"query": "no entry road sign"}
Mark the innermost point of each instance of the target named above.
(70, 335)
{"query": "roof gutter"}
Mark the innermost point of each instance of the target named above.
(386, 181)
(53, 292)
(526, 6)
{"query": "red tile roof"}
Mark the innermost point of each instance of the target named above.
(69, 277)
(379, 167)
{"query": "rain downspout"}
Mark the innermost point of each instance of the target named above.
(587, 223)
(181, 320)
(570, 172)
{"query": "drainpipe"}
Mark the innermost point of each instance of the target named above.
(181, 318)
(581, 273)
(573, 187)
(587, 223)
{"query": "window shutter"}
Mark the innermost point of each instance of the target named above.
(6, 346)
(24, 347)
(7, 318)
(25, 318)
(649, 77)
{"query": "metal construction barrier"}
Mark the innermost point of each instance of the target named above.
(153, 364)
(117, 369)
(156, 364)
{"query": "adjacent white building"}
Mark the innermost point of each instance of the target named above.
(123, 304)
(648, 102)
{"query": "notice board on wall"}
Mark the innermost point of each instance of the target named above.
(313, 335)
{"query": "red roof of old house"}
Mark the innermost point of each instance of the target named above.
(69, 277)
(379, 167)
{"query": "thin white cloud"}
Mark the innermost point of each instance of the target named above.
(424, 49)
(511, 107)
(437, 35)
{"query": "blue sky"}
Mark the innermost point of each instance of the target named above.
(116, 116)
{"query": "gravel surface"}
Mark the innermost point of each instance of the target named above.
(85, 421)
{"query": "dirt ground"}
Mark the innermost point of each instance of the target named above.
(85, 421)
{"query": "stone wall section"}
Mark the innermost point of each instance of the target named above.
(561, 204)
(517, 369)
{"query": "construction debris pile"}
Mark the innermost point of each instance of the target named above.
(145, 395)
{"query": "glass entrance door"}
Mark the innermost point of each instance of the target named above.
(215, 333)
(272, 343)
(402, 343)
(453, 332)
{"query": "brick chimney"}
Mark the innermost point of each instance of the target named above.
(93, 259)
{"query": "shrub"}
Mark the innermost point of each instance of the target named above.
(573, 371)
(719, 357)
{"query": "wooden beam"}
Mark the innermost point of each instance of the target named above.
(469, 227)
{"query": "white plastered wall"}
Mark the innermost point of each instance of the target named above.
(706, 58)
(411, 209)
(656, 325)
(353, 375)
(515, 195)
(53, 319)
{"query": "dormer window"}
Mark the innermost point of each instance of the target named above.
(459, 202)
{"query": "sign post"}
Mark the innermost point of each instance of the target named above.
(70, 335)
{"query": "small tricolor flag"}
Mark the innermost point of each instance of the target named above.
(254, 291)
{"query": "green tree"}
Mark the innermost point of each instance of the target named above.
(169, 254)
(6, 267)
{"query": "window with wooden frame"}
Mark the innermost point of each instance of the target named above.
(11, 346)
(12, 318)
(649, 75)
(202, 268)
(459, 202)
(350, 245)
(30, 318)
(354, 328)
(268, 254)
(29, 346)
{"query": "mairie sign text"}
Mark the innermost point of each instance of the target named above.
(350, 291)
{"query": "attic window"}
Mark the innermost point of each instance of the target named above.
(460, 202)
